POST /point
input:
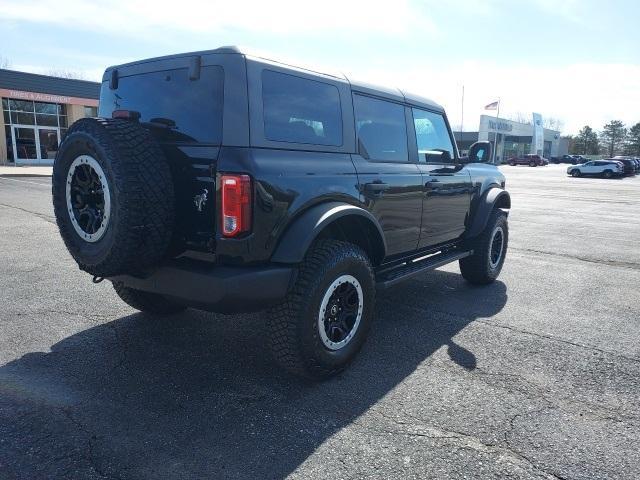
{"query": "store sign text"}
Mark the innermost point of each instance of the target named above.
(45, 97)
(504, 126)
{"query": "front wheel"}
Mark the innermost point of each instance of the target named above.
(489, 251)
(322, 324)
(532, 164)
(575, 173)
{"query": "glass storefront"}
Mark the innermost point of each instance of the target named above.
(33, 130)
(516, 146)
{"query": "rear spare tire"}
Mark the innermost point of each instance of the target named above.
(113, 197)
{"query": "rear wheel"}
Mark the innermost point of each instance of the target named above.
(146, 301)
(322, 324)
(608, 174)
(489, 251)
(513, 164)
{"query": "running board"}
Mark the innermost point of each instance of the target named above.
(388, 278)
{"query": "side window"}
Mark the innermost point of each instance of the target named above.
(298, 110)
(381, 129)
(432, 135)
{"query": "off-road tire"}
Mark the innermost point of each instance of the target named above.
(141, 221)
(477, 268)
(146, 301)
(293, 325)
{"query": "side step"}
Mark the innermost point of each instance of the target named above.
(387, 278)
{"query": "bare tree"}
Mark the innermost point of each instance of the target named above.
(4, 62)
(62, 73)
(520, 117)
(552, 123)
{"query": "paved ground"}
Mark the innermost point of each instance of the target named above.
(536, 376)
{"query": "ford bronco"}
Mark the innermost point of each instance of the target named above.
(228, 182)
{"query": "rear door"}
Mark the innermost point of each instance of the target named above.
(389, 181)
(446, 183)
(181, 101)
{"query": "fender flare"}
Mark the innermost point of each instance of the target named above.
(488, 201)
(304, 229)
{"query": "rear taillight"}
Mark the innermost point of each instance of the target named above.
(236, 204)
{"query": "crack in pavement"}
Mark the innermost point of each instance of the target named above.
(545, 336)
(558, 339)
(90, 456)
(610, 263)
(463, 440)
(47, 218)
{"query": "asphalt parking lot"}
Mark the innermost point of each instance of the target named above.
(535, 376)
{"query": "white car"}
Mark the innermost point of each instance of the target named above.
(605, 168)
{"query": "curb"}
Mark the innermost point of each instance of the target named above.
(24, 175)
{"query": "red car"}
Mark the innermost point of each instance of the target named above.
(532, 160)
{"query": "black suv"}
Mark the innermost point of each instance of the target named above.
(231, 183)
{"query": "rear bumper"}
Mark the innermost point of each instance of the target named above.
(219, 289)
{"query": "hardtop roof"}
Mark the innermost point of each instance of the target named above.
(356, 85)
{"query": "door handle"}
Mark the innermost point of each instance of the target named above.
(432, 183)
(375, 188)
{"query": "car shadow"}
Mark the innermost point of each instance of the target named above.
(196, 395)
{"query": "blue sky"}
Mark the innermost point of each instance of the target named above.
(576, 61)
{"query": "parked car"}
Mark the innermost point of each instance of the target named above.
(579, 159)
(631, 166)
(532, 160)
(565, 159)
(232, 183)
(604, 168)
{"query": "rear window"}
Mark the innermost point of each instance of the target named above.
(176, 108)
(298, 110)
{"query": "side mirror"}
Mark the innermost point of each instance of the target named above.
(480, 152)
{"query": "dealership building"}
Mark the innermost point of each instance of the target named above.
(36, 111)
(513, 139)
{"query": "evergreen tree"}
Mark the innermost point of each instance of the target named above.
(633, 141)
(586, 143)
(613, 136)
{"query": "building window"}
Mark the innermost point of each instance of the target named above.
(91, 112)
(33, 129)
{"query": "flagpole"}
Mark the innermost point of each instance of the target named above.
(462, 115)
(495, 137)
